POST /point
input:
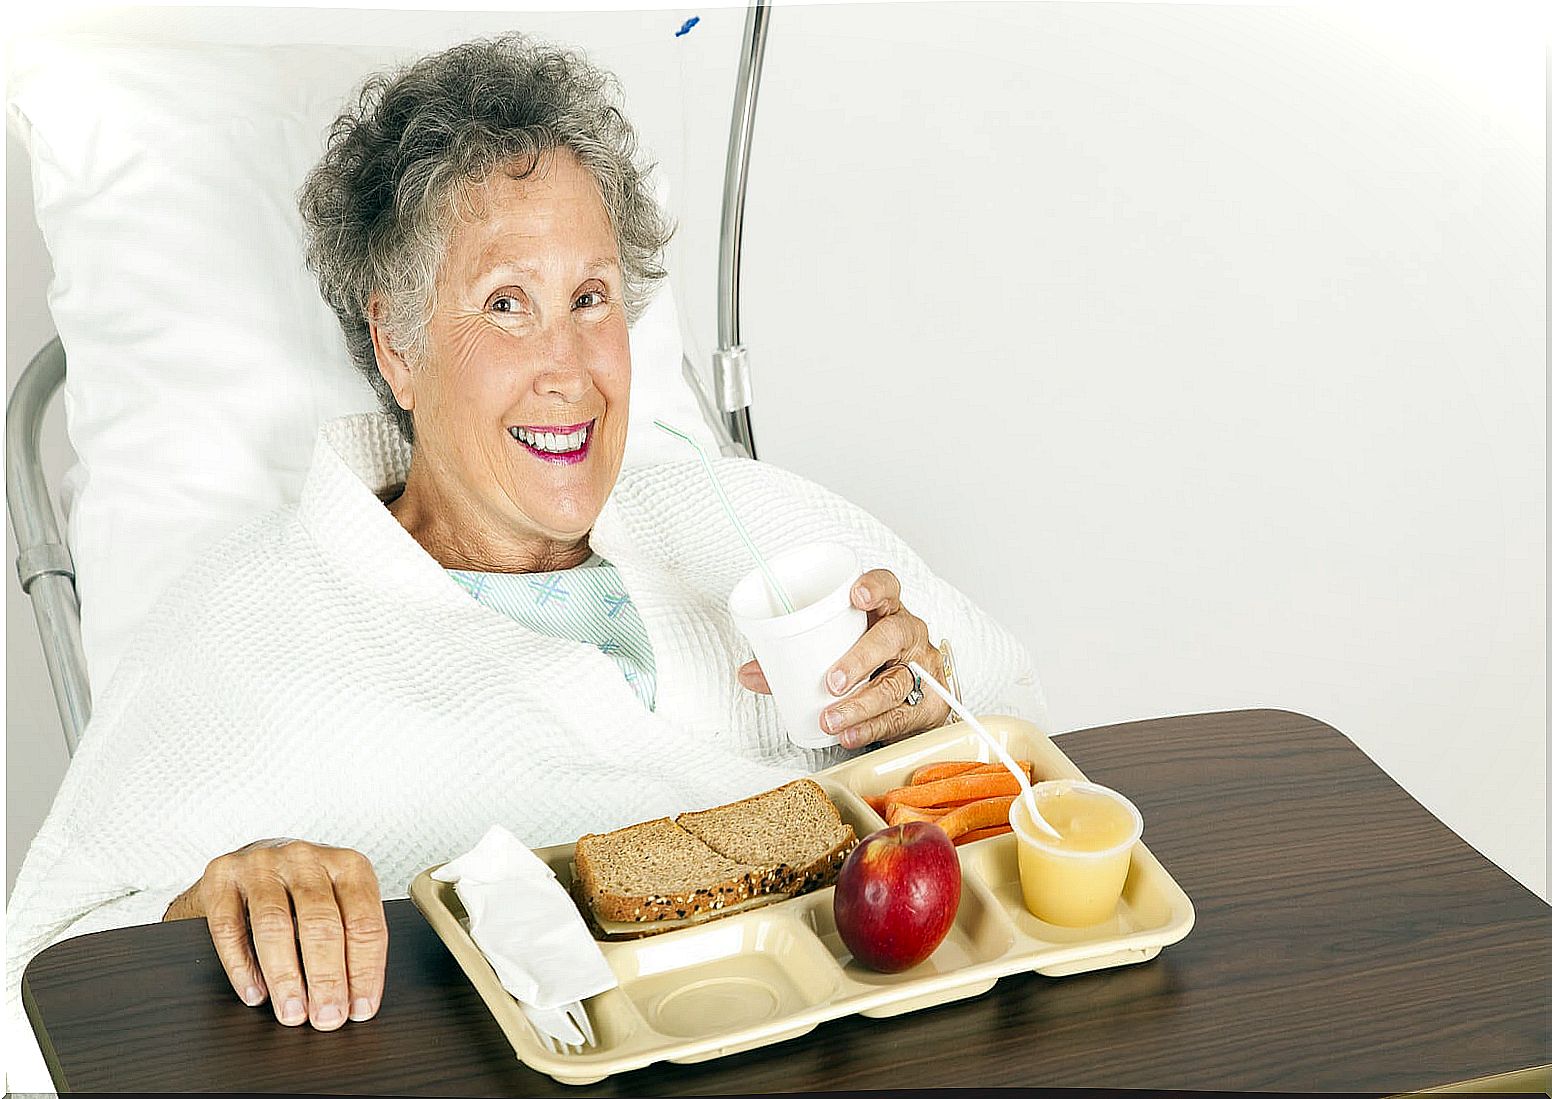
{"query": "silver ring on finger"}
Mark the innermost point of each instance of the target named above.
(915, 694)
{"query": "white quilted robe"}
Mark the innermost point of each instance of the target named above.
(318, 675)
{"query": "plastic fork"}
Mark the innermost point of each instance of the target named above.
(571, 1019)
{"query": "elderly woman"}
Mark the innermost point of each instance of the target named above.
(472, 614)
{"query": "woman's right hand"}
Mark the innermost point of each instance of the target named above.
(339, 923)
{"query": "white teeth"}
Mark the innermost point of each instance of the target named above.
(551, 442)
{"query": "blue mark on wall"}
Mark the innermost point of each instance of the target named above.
(688, 23)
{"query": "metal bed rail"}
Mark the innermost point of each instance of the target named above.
(43, 563)
(731, 360)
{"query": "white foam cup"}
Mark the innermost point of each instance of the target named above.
(796, 650)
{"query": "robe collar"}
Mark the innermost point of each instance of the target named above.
(360, 456)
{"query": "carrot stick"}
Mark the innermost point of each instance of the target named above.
(958, 788)
(947, 769)
(899, 813)
(994, 768)
(1029, 768)
(981, 834)
(876, 803)
(987, 813)
(956, 804)
(932, 772)
(889, 807)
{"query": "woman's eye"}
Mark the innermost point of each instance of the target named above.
(508, 300)
(582, 301)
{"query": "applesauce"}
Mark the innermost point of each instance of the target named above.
(1075, 881)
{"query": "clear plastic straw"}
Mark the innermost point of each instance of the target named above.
(770, 578)
(1007, 760)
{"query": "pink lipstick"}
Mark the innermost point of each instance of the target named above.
(568, 458)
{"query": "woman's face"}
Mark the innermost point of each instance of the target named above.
(521, 409)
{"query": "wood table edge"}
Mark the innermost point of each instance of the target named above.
(1536, 1079)
(56, 1071)
(1248, 711)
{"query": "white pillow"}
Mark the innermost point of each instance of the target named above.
(202, 358)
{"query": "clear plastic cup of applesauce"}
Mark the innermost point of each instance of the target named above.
(1076, 881)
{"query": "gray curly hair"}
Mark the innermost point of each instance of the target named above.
(399, 165)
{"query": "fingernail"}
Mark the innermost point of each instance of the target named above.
(862, 594)
(293, 1012)
(833, 722)
(850, 740)
(836, 679)
(330, 1015)
(361, 1010)
(252, 996)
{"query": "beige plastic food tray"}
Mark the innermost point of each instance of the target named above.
(777, 972)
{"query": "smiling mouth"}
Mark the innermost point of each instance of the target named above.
(565, 445)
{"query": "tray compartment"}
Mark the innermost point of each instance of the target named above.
(876, 773)
(995, 862)
(742, 972)
(981, 934)
(1146, 911)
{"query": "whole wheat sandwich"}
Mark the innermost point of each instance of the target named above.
(785, 841)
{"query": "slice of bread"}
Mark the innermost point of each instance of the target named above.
(657, 870)
(606, 930)
(784, 841)
(795, 828)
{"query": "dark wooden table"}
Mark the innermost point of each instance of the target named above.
(1344, 940)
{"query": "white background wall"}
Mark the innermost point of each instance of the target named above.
(1203, 345)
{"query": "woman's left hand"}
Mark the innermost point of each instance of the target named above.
(877, 712)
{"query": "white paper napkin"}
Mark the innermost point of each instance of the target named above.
(530, 931)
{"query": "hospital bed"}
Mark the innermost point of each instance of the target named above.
(44, 562)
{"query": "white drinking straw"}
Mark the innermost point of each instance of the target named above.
(1007, 760)
(770, 577)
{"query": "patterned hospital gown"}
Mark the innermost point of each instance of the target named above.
(586, 604)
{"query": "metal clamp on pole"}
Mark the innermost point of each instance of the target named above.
(731, 368)
(49, 559)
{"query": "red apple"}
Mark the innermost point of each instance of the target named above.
(897, 894)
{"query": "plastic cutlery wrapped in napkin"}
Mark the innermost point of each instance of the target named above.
(530, 931)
